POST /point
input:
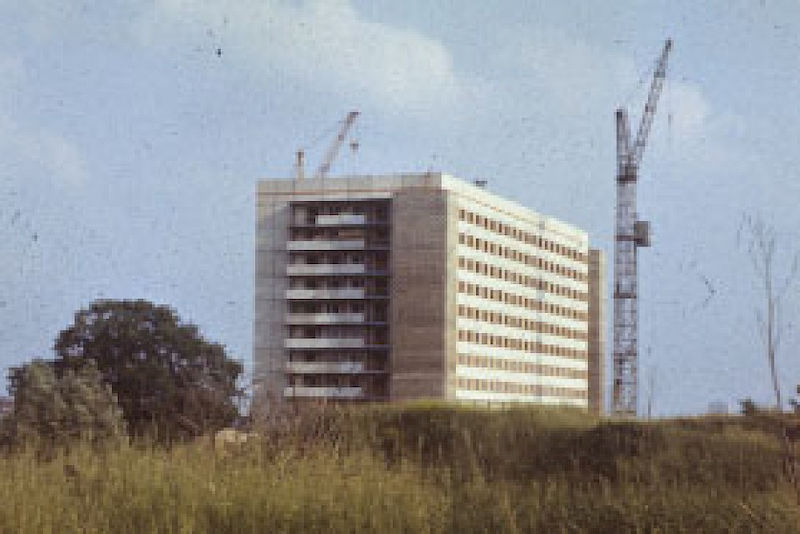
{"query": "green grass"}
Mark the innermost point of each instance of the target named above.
(420, 468)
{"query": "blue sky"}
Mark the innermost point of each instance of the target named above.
(132, 135)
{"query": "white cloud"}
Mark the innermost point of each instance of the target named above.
(578, 76)
(573, 79)
(11, 74)
(555, 74)
(28, 146)
(689, 110)
(328, 44)
(61, 158)
(707, 136)
(42, 149)
(322, 42)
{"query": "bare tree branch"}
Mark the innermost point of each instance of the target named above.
(790, 276)
(762, 326)
(759, 241)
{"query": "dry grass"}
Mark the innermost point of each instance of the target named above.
(419, 468)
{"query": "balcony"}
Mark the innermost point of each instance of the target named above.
(313, 269)
(343, 392)
(324, 367)
(325, 244)
(341, 219)
(324, 343)
(323, 294)
(324, 318)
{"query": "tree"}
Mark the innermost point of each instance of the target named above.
(760, 241)
(52, 411)
(167, 377)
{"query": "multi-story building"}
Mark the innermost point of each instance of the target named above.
(422, 286)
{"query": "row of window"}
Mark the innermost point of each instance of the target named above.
(505, 297)
(327, 307)
(327, 380)
(309, 214)
(323, 283)
(514, 321)
(521, 235)
(337, 257)
(330, 233)
(487, 269)
(338, 331)
(488, 362)
(491, 340)
(499, 386)
(501, 251)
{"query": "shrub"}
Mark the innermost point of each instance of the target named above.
(51, 411)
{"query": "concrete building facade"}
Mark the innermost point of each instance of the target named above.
(597, 331)
(376, 288)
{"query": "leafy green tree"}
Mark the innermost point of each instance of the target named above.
(52, 411)
(168, 379)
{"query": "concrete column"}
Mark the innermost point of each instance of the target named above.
(597, 331)
(419, 297)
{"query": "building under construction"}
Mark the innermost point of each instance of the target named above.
(376, 288)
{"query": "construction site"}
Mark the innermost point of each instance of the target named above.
(424, 286)
(399, 267)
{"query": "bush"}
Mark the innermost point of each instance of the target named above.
(52, 412)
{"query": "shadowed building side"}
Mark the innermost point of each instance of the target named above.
(597, 331)
(419, 303)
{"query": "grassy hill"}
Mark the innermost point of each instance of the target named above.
(421, 468)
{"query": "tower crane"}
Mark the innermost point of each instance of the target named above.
(631, 233)
(325, 166)
(330, 155)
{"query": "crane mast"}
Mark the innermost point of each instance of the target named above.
(631, 233)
